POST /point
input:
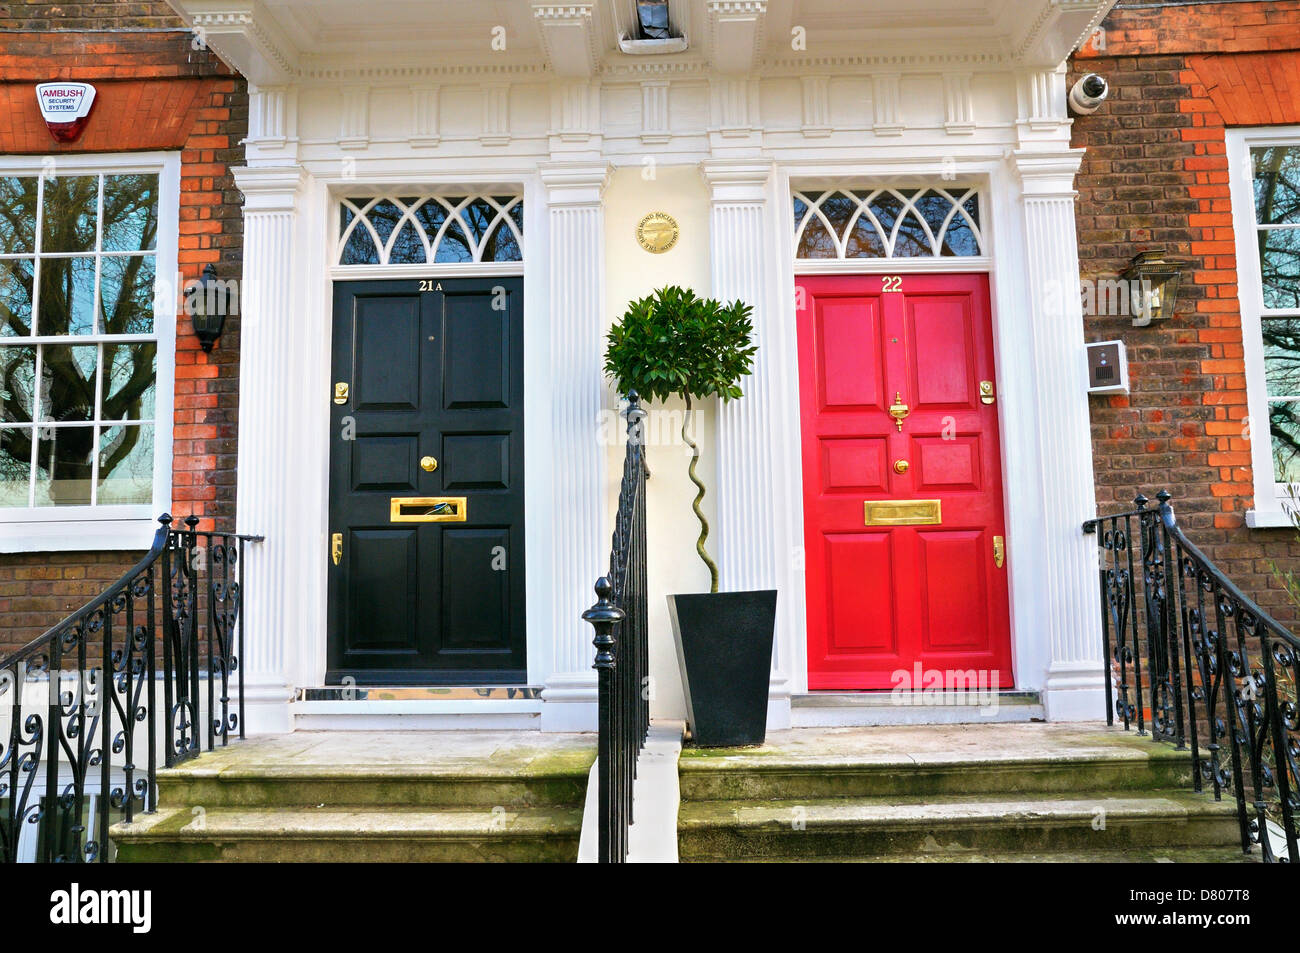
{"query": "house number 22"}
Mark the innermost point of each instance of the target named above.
(893, 283)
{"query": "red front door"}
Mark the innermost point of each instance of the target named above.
(903, 518)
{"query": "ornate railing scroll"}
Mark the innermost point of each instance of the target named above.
(151, 663)
(1201, 666)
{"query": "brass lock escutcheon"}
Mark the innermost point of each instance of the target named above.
(901, 466)
(999, 551)
(428, 464)
(899, 410)
(336, 547)
(986, 392)
(427, 509)
(341, 392)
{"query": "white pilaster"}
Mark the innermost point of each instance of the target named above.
(275, 338)
(1074, 683)
(752, 538)
(580, 553)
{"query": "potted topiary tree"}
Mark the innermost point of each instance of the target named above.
(675, 344)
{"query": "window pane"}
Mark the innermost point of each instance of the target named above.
(128, 381)
(16, 297)
(69, 213)
(68, 382)
(1279, 266)
(1284, 423)
(18, 198)
(1282, 356)
(126, 465)
(17, 383)
(63, 465)
(15, 465)
(67, 296)
(126, 291)
(130, 212)
(1277, 184)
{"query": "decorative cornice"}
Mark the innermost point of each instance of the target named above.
(270, 188)
(568, 35)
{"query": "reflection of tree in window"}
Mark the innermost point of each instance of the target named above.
(91, 226)
(1277, 203)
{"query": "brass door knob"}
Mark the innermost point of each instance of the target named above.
(428, 464)
(901, 466)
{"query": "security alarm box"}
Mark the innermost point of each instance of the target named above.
(1107, 368)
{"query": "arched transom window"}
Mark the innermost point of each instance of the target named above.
(434, 229)
(887, 223)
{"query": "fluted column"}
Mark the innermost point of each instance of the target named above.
(270, 487)
(1071, 614)
(752, 540)
(580, 541)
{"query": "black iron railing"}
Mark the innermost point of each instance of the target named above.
(79, 706)
(1197, 663)
(622, 655)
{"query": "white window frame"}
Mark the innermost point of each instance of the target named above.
(119, 526)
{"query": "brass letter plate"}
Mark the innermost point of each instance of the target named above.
(901, 512)
(427, 509)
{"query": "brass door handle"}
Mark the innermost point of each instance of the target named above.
(901, 466)
(336, 547)
(999, 551)
(428, 464)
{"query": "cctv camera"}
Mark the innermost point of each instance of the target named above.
(1089, 93)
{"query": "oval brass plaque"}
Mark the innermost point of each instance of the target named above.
(657, 232)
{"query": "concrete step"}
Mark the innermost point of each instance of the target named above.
(312, 835)
(1141, 855)
(917, 827)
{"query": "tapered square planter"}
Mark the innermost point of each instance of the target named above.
(724, 651)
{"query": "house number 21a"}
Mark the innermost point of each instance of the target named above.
(893, 283)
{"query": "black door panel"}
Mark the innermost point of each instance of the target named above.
(438, 374)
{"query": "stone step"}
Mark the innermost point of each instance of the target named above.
(824, 709)
(345, 769)
(784, 772)
(189, 835)
(251, 786)
(1140, 855)
(915, 827)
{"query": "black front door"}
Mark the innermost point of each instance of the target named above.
(426, 482)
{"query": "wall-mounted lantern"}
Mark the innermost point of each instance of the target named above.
(1153, 286)
(206, 303)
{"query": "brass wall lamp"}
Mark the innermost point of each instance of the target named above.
(1152, 278)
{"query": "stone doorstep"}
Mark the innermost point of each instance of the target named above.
(948, 825)
(886, 699)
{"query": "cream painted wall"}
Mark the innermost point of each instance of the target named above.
(632, 272)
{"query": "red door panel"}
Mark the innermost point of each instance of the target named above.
(882, 598)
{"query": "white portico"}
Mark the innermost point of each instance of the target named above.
(537, 101)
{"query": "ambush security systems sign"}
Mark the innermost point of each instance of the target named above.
(65, 107)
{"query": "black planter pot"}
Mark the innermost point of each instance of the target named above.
(724, 650)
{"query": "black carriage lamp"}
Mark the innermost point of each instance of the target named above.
(1152, 279)
(205, 300)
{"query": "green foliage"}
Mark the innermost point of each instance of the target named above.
(675, 343)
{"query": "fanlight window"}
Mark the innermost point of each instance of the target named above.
(888, 223)
(438, 229)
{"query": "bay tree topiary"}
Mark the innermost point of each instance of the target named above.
(674, 343)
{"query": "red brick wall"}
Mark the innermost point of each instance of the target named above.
(1156, 176)
(154, 92)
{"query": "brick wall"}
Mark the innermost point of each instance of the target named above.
(155, 91)
(1156, 177)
